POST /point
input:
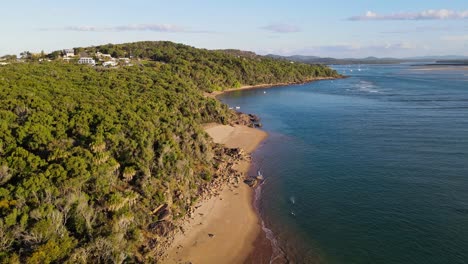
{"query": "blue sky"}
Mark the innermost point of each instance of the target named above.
(333, 28)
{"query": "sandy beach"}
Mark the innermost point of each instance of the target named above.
(224, 228)
(442, 68)
(267, 85)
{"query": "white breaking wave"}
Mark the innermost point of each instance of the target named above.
(366, 86)
(292, 199)
(277, 253)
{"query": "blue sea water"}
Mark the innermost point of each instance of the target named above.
(368, 169)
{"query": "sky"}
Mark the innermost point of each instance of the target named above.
(326, 28)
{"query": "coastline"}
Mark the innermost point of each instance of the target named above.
(225, 228)
(441, 68)
(269, 85)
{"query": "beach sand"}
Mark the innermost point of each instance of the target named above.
(268, 85)
(441, 68)
(225, 228)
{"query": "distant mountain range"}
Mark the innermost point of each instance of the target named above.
(369, 60)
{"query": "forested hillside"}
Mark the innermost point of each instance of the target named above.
(220, 69)
(88, 154)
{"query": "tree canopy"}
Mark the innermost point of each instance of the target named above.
(87, 153)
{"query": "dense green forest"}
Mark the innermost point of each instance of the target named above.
(216, 70)
(87, 154)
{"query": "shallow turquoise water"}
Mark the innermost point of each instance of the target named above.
(368, 169)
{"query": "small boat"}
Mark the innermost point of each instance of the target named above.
(259, 176)
(264, 92)
(237, 107)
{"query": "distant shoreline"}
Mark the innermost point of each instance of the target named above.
(463, 67)
(270, 85)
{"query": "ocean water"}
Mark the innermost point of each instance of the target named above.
(368, 169)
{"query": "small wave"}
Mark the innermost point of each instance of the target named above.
(277, 252)
(366, 86)
(462, 211)
(436, 100)
(292, 199)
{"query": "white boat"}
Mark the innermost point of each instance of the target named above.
(259, 175)
(237, 107)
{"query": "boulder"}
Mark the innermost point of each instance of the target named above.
(251, 181)
(164, 215)
(161, 228)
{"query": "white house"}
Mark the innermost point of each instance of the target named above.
(87, 60)
(110, 64)
(103, 56)
(68, 53)
(125, 61)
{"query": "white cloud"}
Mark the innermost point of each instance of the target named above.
(455, 38)
(282, 28)
(76, 28)
(421, 29)
(441, 14)
(134, 27)
(151, 27)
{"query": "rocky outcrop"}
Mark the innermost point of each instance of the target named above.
(161, 228)
(251, 181)
(223, 174)
(249, 120)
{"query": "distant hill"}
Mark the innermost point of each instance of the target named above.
(328, 60)
(437, 58)
(453, 62)
(239, 53)
(367, 60)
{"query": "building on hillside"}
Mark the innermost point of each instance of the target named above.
(110, 64)
(125, 61)
(103, 57)
(67, 53)
(87, 60)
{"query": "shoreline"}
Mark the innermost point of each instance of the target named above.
(441, 68)
(225, 228)
(270, 85)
